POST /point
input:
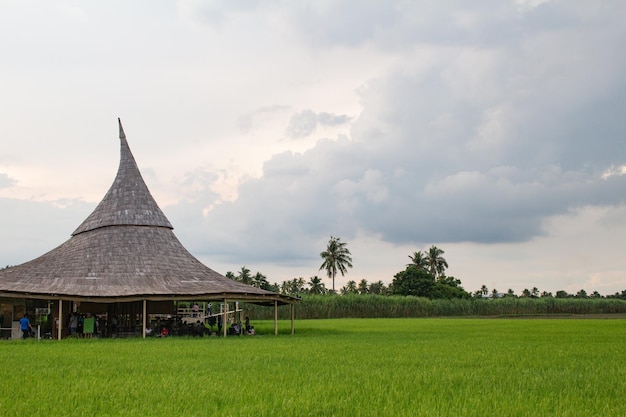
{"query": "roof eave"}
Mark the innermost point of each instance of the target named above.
(251, 298)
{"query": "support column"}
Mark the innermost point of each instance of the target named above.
(60, 326)
(275, 317)
(143, 318)
(224, 317)
(293, 307)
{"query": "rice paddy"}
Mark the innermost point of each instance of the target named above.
(338, 367)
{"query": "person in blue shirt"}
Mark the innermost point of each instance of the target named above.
(25, 326)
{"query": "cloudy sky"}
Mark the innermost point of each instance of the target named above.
(493, 129)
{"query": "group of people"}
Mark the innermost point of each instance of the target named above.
(235, 328)
(177, 327)
(84, 325)
(80, 325)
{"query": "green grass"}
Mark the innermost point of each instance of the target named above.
(344, 367)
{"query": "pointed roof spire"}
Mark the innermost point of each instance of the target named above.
(128, 202)
(122, 135)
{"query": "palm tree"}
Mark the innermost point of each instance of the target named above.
(484, 290)
(377, 287)
(244, 276)
(418, 260)
(293, 287)
(336, 258)
(316, 286)
(436, 263)
(349, 288)
(297, 286)
(363, 287)
(260, 281)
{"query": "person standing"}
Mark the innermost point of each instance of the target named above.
(73, 324)
(25, 326)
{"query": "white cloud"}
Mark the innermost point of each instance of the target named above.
(613, 171)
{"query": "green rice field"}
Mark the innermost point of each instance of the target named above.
(337, 367)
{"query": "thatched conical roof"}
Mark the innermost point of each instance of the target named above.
(128, 201)
(126, 249)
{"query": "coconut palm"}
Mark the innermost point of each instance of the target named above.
(260, 281)
(336, 258)
(363, 287)
(298, 285)
(316, 286)
(484, 290)
(436, 263)
(377, 287)
(293, 287)
(244, 276)
(349, 288)
(419, 260)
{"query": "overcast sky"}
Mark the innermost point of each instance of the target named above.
(492, 129)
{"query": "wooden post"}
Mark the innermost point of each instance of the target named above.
(143, 318)
(275, 317)
(60, 326)
(292, 317)
(224, 317)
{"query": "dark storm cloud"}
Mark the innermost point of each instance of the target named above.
(478, 145)
(396, 25)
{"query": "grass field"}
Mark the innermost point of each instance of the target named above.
(344, 367)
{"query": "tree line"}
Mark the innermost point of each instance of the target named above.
(424, 276)
(485, 293)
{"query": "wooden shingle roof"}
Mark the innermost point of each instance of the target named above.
(128, 201)
(125, 249)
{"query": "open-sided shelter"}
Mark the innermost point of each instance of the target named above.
(125, 259)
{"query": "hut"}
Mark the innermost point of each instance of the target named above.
(123, 262)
